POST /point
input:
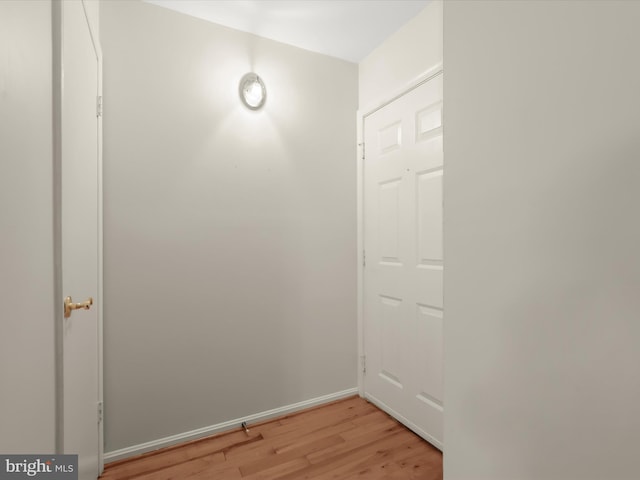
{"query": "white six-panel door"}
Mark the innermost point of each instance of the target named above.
(403, 315)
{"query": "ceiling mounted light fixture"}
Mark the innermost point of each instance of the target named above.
(252, 91)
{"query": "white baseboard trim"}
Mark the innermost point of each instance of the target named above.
(221, 427)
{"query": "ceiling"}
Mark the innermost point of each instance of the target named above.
(346, 29)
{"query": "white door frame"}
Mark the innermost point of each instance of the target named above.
(58, 93)
(361, 116)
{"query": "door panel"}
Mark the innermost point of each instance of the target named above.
(79, 242)
(391, 353)
(389, 217)
(429, 208)
(429, 337)
(403, 317)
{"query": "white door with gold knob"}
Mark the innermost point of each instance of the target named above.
(80, 232)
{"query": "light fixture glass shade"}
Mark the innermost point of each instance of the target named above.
(252, 91)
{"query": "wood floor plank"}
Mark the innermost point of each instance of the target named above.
(230, 473)
(347, 439)
(319, 419)
(250, 452)
(185, 469)
(376, 424)
(353, 442)
(167, 457)
(382, 461)
(293, 442)
(275, 471)
(300, 452)
(418, 467)
(284, 441)
(351, 456)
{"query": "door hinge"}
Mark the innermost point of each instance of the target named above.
(362, 145)
(364, 258)
(363, 363)
(100, 412)
(99, 106)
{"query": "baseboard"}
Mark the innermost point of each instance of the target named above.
(221, 427)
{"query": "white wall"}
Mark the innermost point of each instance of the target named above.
(230, 235)
(27, 374)
(402, 58)
(542, 331)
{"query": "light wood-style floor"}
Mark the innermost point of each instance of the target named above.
(349, 438)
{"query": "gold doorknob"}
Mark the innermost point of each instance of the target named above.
(69, 305)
